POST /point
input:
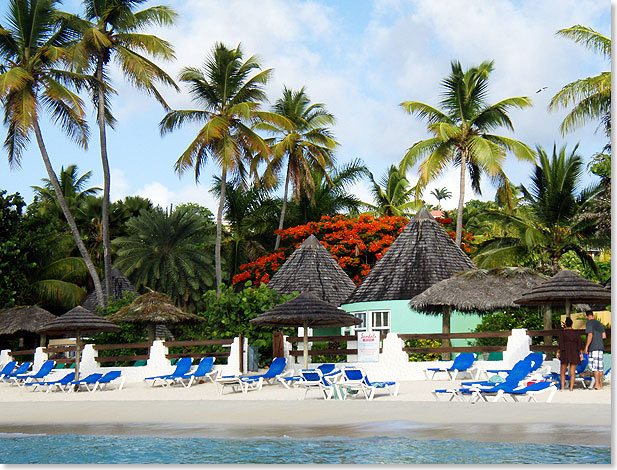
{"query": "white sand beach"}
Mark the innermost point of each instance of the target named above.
(139, 408)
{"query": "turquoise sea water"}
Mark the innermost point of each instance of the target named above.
(17, 448)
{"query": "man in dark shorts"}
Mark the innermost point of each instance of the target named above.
(595, 348)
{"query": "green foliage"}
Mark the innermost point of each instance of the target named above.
(423, 343)
(229, 315)
(323, 358)
(570, 261)
(528, 318)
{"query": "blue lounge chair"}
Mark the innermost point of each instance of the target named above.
(355, 379)
(276, 370)
(8, 368)
(313, 379)
(529, 391)
(204, 370)
(62, 383)
(536, 362)
(519, 371)
(43, 372)
(182, 367)
(75, 385)
(580, 368)
(109, 377)
(328, 371)
(461, 363)
(21, 369)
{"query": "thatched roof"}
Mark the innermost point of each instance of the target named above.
(24, 319)
(311, 268)
(566, 285)
(478, 290)
(78, 319)
(422, 255)
(306, 307)
(153, 307)
(120, 285)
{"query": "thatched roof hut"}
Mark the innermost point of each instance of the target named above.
(311, 268)
(19, 319)
(120, 285)
(478, 290)
(422, 255)
(79, 320)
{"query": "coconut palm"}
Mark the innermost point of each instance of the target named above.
(32, 45)
(461, 133)
(547, 225)
(393, 195)
(111, 30)
(440, 194)
(164, 252)
(306, 145)
(591, 96)
(73, 187)
(230, 99)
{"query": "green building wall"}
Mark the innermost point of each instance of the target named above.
(405, 320)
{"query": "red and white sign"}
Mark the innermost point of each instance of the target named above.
(368, 346)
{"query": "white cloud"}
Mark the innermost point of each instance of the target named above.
(161, 195)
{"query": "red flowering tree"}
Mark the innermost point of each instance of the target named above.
(356, 243)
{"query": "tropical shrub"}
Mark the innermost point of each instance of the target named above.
(528, 318)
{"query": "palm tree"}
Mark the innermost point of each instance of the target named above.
(110, 31)
(590, 96)
(230, 97)
(547, 226)
(461, 133)
(440, 194)
(164, 252)
(307, 144)
(393, 195)
(31, 47)
(72, 186)
(330, 196)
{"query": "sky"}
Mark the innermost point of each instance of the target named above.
(361, 58)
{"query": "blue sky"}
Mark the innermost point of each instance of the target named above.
(359, 57)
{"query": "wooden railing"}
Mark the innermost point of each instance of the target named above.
(555, 335)
(24, 352)
(53, 352)
(457, 349)
(108, 347)
(193, 344)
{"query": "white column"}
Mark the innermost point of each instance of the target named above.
(87, 363)
(39, 358)
(5, 357)
(517, 348)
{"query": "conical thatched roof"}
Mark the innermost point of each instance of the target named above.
(306, 307)
(120, 285)
(566, 285)
(78, 319)
(422, 255)
(24, 319)
(478, 290)
(311, 268)
(153, 307)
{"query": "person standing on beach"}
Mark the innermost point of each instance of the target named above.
(595, 348)
(570, 353)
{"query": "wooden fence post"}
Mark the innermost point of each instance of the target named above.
(278, 349)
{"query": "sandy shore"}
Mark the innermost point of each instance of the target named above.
(578, 417)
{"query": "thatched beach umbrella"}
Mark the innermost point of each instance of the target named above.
(120, 286)
(152, 308)
(307, 311)
(565, 288)
(311, 268)
(24, 320)
(78, 321)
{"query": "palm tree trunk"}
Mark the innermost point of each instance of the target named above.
(69, 217)
(461, 202)
(284, 208)
(219, 234)
(106, 182)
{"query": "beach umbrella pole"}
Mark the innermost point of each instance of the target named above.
(567, 308)
(77, 354)
(305, 328)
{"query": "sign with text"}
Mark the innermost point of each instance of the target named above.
(368, 346)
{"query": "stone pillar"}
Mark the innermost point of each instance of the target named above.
(39, 358)
(518, 347)
(87, 363)
(5, 357)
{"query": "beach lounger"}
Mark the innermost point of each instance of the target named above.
(461, 364)
(21, 369)
(38, 376)
(519, 371)
(8, 368)
(61, 384)
(108, 378)
(329, 371)
(313, 379)
(536, 362)
(276, 370)
(529, 391)
(236, 384)
(354, 379)
(586, 381)
(182, 368)
(204, 370)
(75, 385)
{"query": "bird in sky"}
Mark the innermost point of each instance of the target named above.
(541, 89)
